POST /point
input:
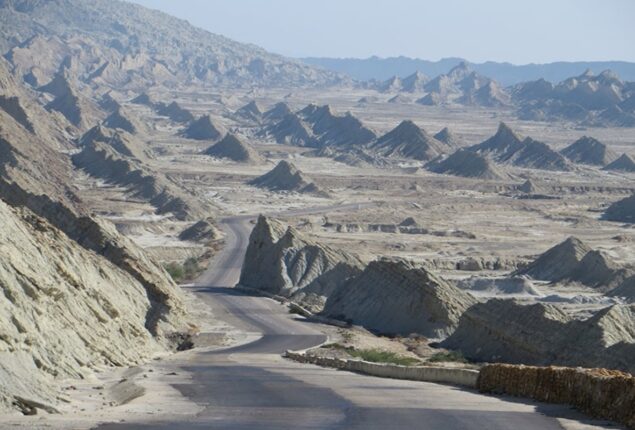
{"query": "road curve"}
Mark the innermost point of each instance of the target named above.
(252, 387)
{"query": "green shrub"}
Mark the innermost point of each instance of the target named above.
(380, 356)
(189, 270)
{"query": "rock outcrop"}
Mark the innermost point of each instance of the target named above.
(285, 177)
(467, 164)
(334, 130)
(542, 334)
(290, 130)
(407, 140)
(622, 210)
(625, 163)
(574, 261)
(588, 150)
(279, 260)
(506, 147)
(203, 129)
(233, 148)
(398, 297)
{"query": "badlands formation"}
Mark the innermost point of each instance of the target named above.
(444, 216)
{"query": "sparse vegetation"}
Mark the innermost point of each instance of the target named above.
(448, 356)
(187, 271)
(376, 355)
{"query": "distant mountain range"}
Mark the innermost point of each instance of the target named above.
(505, 73)
(123, 45)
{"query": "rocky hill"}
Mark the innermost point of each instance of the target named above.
(625, 163)
(574, 261)
(464, 86)
(622, 210)
(601, 100)
(446, 136)
(318, 127)
(125, 120)
(330, 129)
(290, 130)
(413, 83)
(116, 43)
(508, 148)
(285, 177)
(407, 140)
(276, 112)
(174, 111)
(203, 128)
(281, 261)
(467, 164)
(113, 156)
(250, 112)
(588, 150)
(233, 148)
(398, 297)
(540, 334)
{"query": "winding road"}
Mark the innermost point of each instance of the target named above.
(251, 387)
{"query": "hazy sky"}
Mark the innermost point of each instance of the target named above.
(518, 31)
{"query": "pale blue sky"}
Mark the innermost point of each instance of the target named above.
(478, 30)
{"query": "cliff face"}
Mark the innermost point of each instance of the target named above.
(68, 309)
(280, 261)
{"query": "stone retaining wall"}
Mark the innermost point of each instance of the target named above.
(601, 393)
(464, 377)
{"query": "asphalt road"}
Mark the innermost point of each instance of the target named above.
(252, 387)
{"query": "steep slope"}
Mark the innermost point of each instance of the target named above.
(335, 130)
(276, 112)
(113, 156)
(622, 210)
(285, 177)
(119, 43)
(588, 150)
(232, 148)
(506, 147)
(467, 164)
(414, 83)
(203, 129)
(398, 297)
(407, 140)
(558, 262)
(625, 163)
(67, 311)
(279, 260)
